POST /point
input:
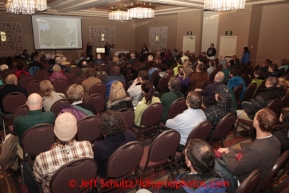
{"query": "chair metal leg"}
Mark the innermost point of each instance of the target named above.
(177, 166)
(4, 129)
(236, 128)
(171, 168)
(22, 175)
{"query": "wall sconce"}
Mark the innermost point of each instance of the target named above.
(102, 37)
(3, 36)
(157, 38)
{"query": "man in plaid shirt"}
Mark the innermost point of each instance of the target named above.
(66, 149)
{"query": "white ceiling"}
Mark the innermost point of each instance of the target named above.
(100, 8)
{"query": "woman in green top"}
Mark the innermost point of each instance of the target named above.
(258, 79)
(148, 99)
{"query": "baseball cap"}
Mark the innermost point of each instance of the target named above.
(223, 90)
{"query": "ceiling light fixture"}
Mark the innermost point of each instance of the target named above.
(224, 5)
(25, 6)
(141, 11)
(119, 14)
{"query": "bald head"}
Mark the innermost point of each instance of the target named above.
(34, 102)
(271, 82)
(11, 79)
(219, 77)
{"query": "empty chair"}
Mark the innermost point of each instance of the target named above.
(25, 81)
(98, 88)
(80, 79)
(71, 77)
(55, 108)
(249, 184)
(79, 170)
(160, 152)
(10, 103)
(177, 107)
(163, 84)
(237, 91)
(60, 85)
(128, 115)
(154, 75)
(33, 87)
(124, 162)
(149, 122)
(88, 129)
(223, 128)
(40, 74)
(97, 101)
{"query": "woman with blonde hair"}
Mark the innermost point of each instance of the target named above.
(117, 97)
(49, 96)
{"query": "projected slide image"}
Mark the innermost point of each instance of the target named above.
(57, 33)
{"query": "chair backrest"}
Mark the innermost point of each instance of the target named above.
(241, 70)
(212, 76)
(124, 160)
(163, 147)
(55, 108)
(82, 169)
(275, 105)
(88, 129)
(201, 131)
(177, 107)
(156, 110)
(237, 91)
(261, 86)
(249, 184)
(154, 75)
(98, 88)
(205, 83)
(12, 101)
(249, 92)
(40, 74)
(25, 80)
(224, 126)
(128, 115)
(80, 79)
(33, 87)
(97, 101)
(249, 69)
(38, 139)
(60, 85)
(74, 70)
(46, 77)
(170, 72)
(71, 77)
(285, 101)
(274, 170)
(20, 111)
(163, 83)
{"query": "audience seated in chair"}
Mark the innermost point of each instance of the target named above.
(226, 71)
(35, 116)
(117, 97)
(282, 130)
(84, 67)
(64, 150)
(183, 77)
(184, 123)
(114, 75)
(198, 77)
(258, 79)
(273, 71)
(148, 99)
(91, 80)
(56, 74)
(262, 99)
(9, 87)
(222, 106)
(168, 98)
(135, 90)
(235, 81)
(260, 155)
(75, 94)
(21, 71)
(49, 96)
(115, 135)
(208, 93)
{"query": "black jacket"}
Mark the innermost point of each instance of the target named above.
(264, 97)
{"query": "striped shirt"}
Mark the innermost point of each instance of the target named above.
(47, 163)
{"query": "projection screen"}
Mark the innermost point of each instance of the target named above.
(56, 32)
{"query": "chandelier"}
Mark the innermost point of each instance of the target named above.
(121, 15)
(25, 6)
(224, 5)
(141, 12)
